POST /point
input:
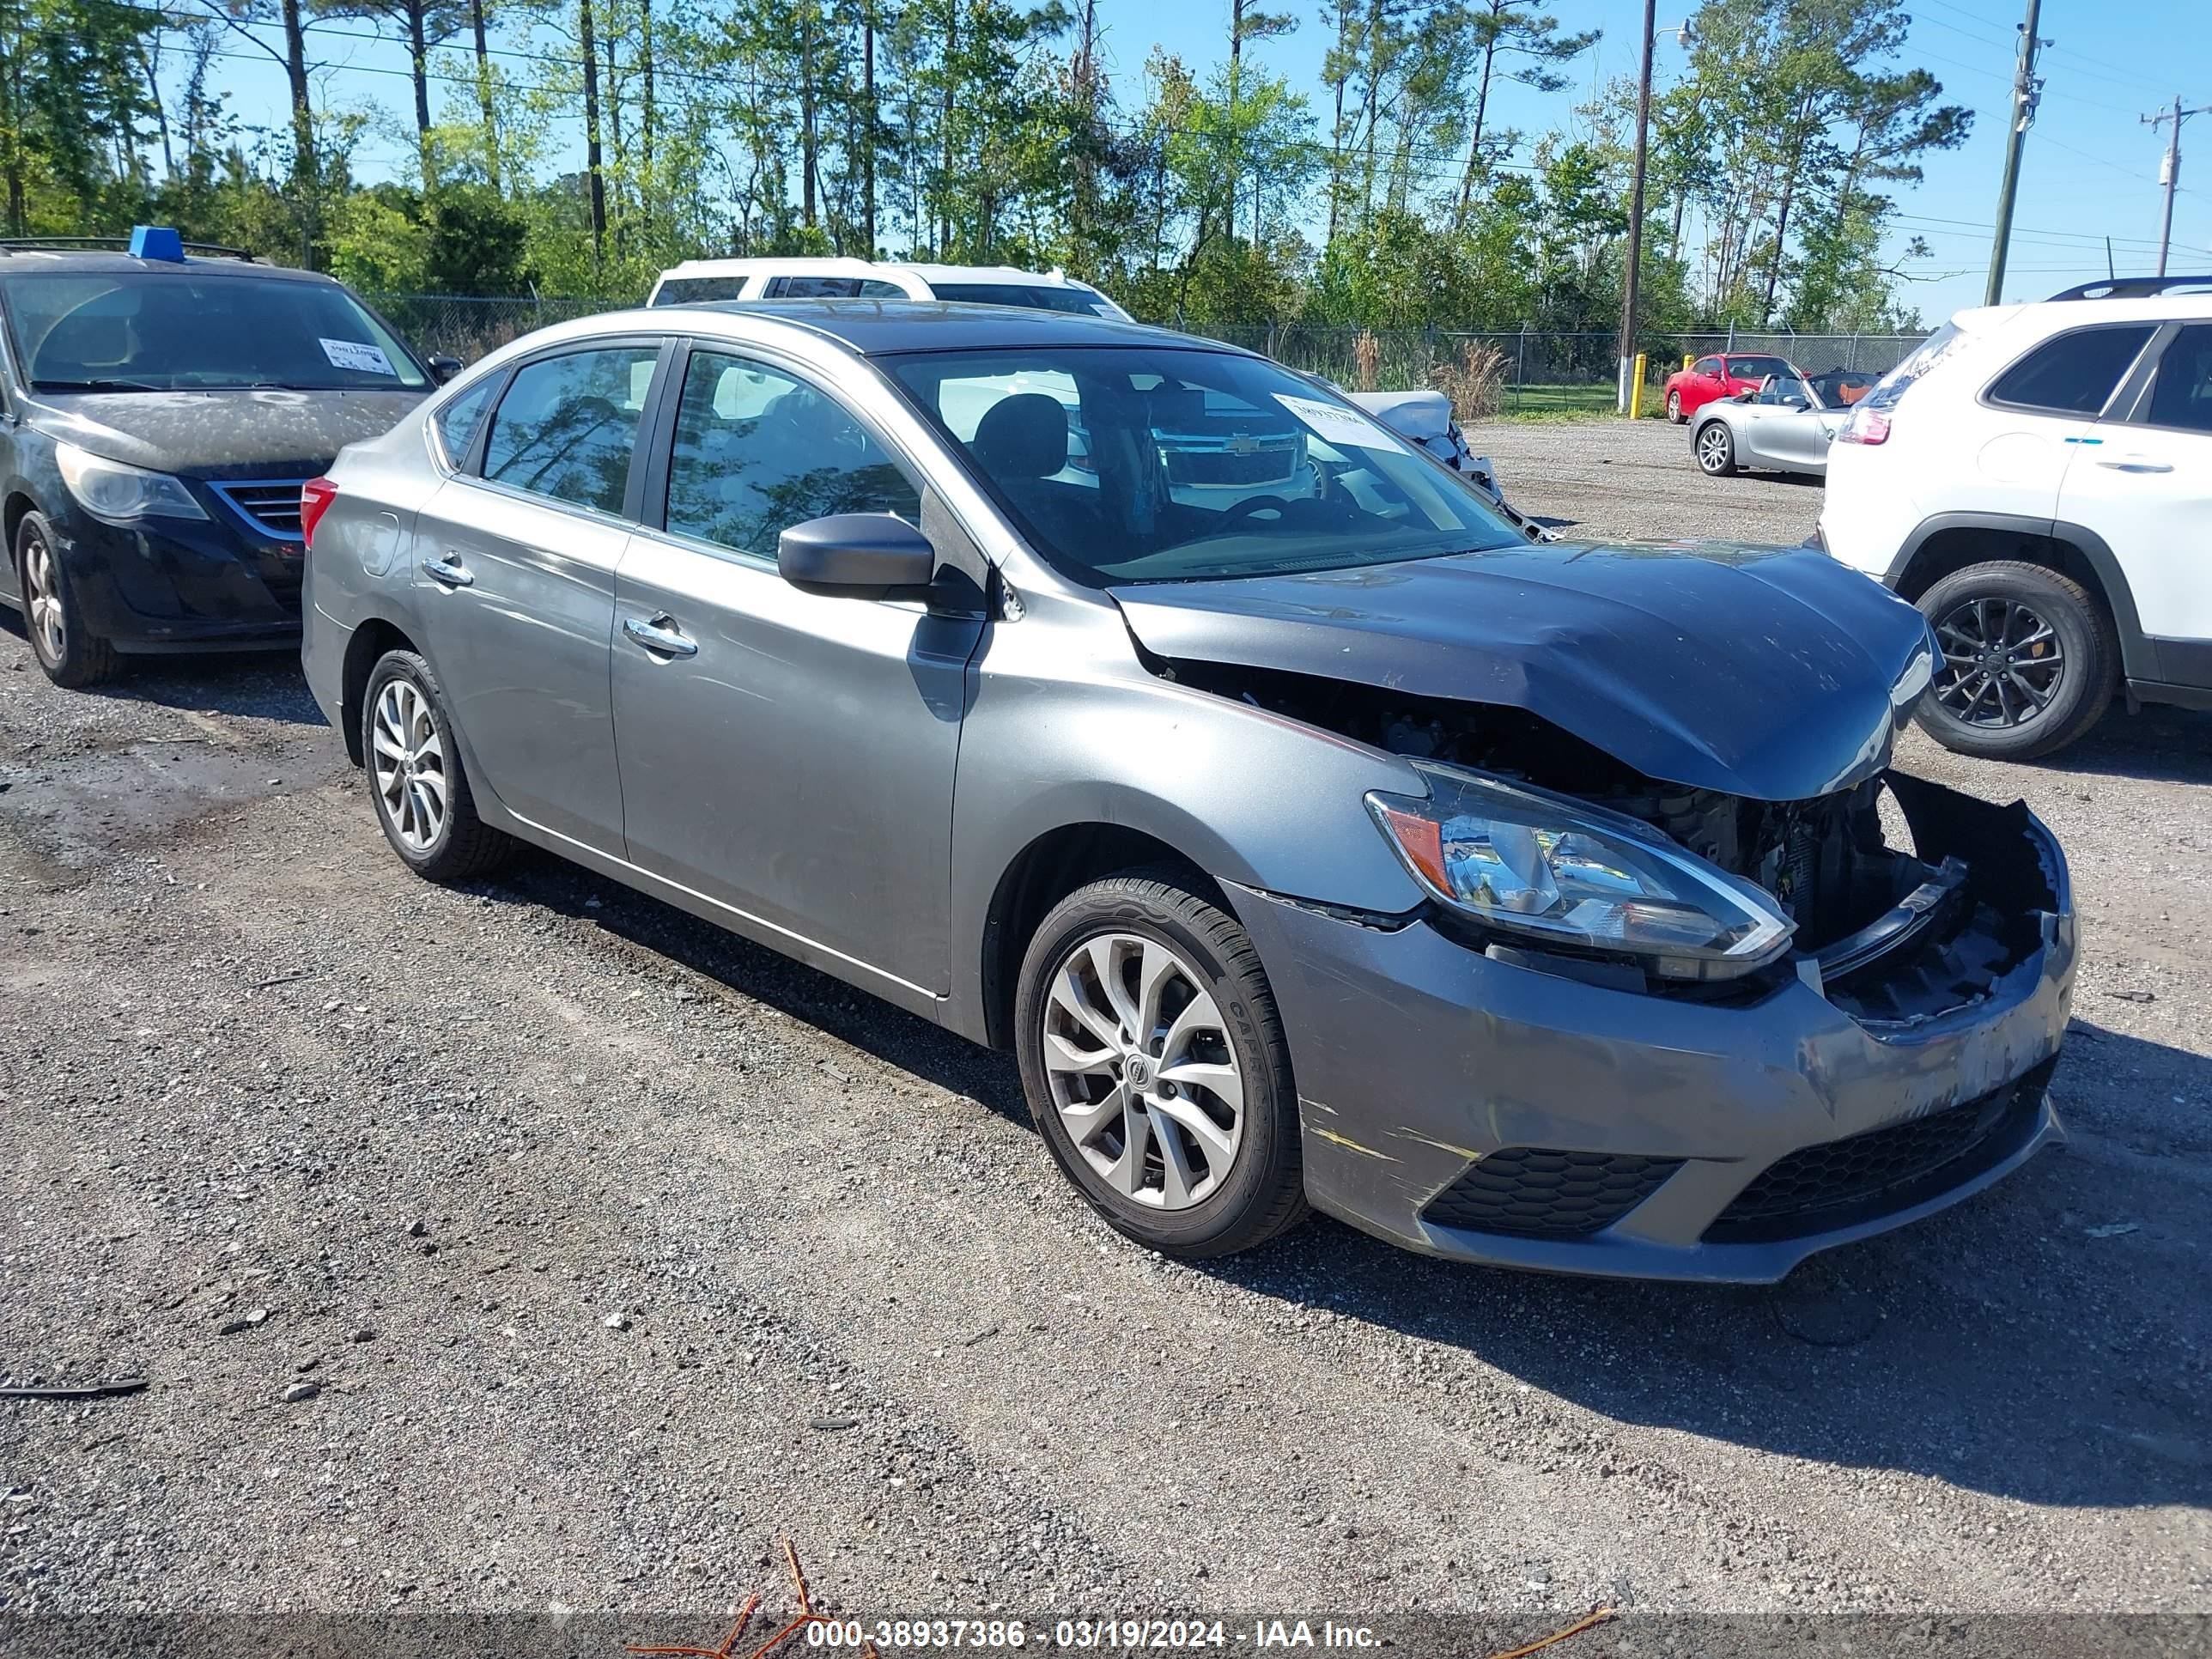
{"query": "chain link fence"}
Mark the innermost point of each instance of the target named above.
(1542, 370)
(468, 325)
(1546, 369)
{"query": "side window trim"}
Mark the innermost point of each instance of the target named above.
(633, 480)
(2113, 402)
(2132, 404)
(652, 513)
(469, 464)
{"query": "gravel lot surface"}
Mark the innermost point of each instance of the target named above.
(537, 1244)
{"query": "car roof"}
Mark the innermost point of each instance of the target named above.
(846, 265)
(15, 260)
(841, 264)
(874, 328)
(2053, 315)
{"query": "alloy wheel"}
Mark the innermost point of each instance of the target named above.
(1713, 448)
(2002, 662)
(42, 589)
(1142, 1071)
(410, 763)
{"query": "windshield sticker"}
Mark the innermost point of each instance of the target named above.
(351, 354)
(1337, 425)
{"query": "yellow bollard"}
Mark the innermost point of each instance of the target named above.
(1687, 361)
(1636, 391)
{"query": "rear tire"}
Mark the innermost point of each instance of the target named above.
(71, 654)
(1715, 450)
(1674, 408)
(2013, 632)
(416, 784)
(1154, 1061)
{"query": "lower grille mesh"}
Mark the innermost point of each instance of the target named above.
(1538, 1192)
(1817, 1186)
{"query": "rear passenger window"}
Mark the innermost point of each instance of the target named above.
(2182, 394)
(568, 425)
(832, 287)
(2074, 375)
(758, 452)
(456, 424)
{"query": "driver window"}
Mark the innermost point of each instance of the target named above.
(567, 424)
(758, 451)
(1706, 366)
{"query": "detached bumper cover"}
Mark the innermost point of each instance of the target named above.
(1472, 1108)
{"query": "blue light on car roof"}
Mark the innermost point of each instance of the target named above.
(157, 242)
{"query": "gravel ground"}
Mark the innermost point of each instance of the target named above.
(539, 1245)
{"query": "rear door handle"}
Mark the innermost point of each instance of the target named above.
(447, 570)
(2136, 464)
(660, 636)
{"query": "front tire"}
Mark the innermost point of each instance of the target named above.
(1154, 1062)
(417, 783)
(2030, 658)
(1716, 447)
(71, 654)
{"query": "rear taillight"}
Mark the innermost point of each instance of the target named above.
(315, 498)
(1864, 426)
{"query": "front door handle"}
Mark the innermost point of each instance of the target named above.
(660, 636)
(447, 570)
(2136, 464)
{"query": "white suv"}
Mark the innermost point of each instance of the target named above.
(2038, 479)
(695, 281)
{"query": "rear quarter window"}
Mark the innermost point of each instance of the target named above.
(2073, 373)
(456, 422)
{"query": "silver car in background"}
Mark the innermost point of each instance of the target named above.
(1337, 845)
(1784, 427)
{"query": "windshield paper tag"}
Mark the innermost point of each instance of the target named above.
(349, 354)
(1337, 425)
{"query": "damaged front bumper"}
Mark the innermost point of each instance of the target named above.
(1484, 1107)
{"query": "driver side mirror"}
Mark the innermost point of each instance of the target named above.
(442, 366)
(861, 555)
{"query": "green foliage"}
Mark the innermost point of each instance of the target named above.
(987, 131)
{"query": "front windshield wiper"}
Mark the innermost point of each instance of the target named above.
(95, 385)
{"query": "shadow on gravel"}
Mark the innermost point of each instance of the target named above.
(2003, 1347)
(2045, 1342)
(2163, 745)
(892, 1035)
(258, 684)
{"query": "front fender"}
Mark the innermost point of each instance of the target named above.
(1066, 727)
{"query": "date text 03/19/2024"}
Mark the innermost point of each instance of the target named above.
(1126, 1635)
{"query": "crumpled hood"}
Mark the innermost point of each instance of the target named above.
(1759, 672)
(221, 434)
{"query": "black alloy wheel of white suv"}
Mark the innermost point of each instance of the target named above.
(2030, 659)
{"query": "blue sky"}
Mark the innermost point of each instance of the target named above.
(2091, 168)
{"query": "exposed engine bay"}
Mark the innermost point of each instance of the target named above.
(1890, 935)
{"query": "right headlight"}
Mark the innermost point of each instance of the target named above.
(1561, 871)
(120, 493)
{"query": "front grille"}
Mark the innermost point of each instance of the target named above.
(1222, 466)
(1538, 1192)
(1818, 1188)
(270, 505)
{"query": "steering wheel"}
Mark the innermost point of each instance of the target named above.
(1255, 504)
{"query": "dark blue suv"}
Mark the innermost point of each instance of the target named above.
(160, 413)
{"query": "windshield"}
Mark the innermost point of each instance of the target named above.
(1038, 297)
(1758, 369)
(1145, 464)
(137, 331)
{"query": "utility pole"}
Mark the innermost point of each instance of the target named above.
(1634, 271)
(2027, 90)
(2170, 170)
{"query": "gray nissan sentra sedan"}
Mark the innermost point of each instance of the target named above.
(1330, 843)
